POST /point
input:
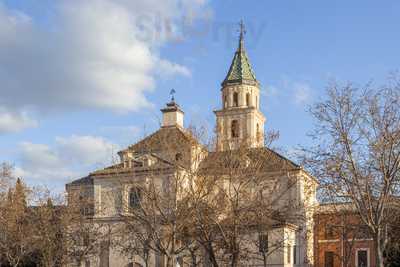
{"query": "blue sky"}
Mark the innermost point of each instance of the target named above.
(79, 81)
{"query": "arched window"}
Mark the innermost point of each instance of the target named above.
(235, 128)
(258, 134)
(235, 99)
(135, 197)
(225, 102)
(248, 99)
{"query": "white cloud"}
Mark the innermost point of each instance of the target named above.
(11, 122)
(68, 157)
(269, 91)
(101, 54)
(126, 135)
(38, 155)
(168, 69)
(87, 150)
(302, 93)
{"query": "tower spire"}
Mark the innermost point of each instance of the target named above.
(242, 30)
(240, 121)
(240, 70)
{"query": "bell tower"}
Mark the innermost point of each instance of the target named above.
(240, 121)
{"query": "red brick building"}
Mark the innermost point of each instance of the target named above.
(341, 239)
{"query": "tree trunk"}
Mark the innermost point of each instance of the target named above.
(235, 259)
(146, 259)
(211, 255)
(169, 262)
(378, 248)
(194, 259)
(265, 259)
(214, 261)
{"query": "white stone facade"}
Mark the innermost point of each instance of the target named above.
(241, 106)
(239, 122)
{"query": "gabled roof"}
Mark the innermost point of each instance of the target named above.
(240, 70)
(109, 169)
(87, 180)
(120, 169)
(164, 137)
(270, 160)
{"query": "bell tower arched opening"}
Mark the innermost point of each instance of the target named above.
(235, 99)
(234, 129)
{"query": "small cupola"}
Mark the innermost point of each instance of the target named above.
(172, 114)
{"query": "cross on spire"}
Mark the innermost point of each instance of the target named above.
(242, 31)
(242, 28)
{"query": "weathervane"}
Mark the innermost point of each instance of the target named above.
(172, 94)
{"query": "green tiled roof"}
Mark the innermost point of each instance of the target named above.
(240, 70)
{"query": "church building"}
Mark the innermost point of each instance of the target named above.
(173, 150)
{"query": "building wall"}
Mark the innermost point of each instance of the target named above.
(343, 234)
(110, 194)
(247, 115)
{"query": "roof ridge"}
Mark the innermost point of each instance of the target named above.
(283, 157)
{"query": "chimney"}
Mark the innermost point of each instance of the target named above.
(172, 115)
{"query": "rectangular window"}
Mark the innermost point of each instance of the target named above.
(329, 259)
(362, 258)
(295, 254)
(263, 243)
(135, 197)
